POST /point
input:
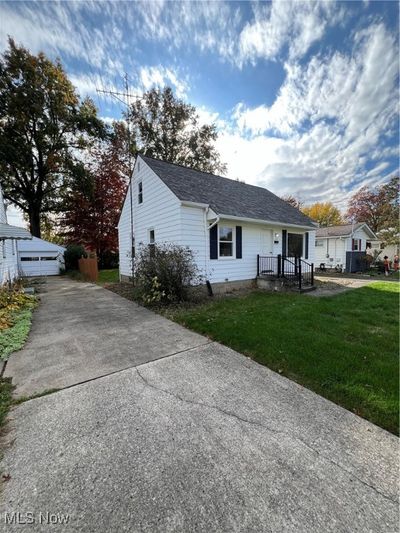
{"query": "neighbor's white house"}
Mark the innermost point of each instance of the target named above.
(226, 223)
(334, 245)
(9, 236)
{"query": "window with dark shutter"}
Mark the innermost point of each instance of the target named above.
(238, 242)
(226, 241)
(284, 242)
(306, 245)
(214, 242)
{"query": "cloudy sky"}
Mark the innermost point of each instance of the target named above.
(304, 94)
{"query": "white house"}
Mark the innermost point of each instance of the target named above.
(9, 235)
(336, 245)
(38, 257)
(226, 223)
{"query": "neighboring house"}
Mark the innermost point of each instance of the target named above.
(390, 250)
(40, 258)
(9, 235)
(344, 245)
(225, 223)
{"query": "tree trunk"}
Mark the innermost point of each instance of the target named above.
(34, 221)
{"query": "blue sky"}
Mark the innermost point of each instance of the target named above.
(304, 94)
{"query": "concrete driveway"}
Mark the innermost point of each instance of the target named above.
(200, 439)
(82, 331)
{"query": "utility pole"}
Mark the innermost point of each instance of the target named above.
(125, 99)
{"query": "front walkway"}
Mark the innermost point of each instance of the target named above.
(202, 439)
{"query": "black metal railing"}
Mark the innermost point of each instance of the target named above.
(294, 269)
(267, 266)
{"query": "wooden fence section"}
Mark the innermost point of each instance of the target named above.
(88, 268)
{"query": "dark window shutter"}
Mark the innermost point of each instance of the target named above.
(306, 245)
(238, 242)
(284, 242)
(214, 242)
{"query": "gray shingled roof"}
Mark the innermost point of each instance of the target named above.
(226, 196)
(13, 232)
(338, 231)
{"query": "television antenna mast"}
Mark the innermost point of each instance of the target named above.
(124, 97)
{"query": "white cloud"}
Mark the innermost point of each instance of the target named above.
(328, 121)
(221, 28)
(161, 76)
(354, 90)
(297, 24)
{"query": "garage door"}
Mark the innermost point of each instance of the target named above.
(38, 265)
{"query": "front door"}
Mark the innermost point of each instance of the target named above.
(266, 242)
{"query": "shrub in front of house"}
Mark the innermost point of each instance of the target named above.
(72, 255)
(165, 274)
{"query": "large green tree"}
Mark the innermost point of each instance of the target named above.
(168, 128)
(43, 127)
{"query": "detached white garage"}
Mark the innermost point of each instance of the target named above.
(40, 258)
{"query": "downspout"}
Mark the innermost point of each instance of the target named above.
(215, 222)
(205, 211)
(206, 231)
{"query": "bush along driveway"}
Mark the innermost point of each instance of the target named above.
(343, 347)
(15, 322)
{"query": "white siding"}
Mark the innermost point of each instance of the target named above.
(125, 238)
(390, 250)
(334, 248)
(8, 255)
(359, 234)
(160, 211)
(196, 236)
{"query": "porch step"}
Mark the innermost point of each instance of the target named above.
(305, 289)
(275, 284)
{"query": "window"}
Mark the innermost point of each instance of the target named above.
(140, 192)
(295, 245)
(152, 241)
(48, 258)
(319, 243)
(29, 258)
(356, 245)
(225, 241)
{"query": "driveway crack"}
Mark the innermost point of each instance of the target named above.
(268, 428)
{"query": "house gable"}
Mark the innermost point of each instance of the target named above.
(148, 205)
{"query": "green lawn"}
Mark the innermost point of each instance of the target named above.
(108, 276)
(344, 347)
